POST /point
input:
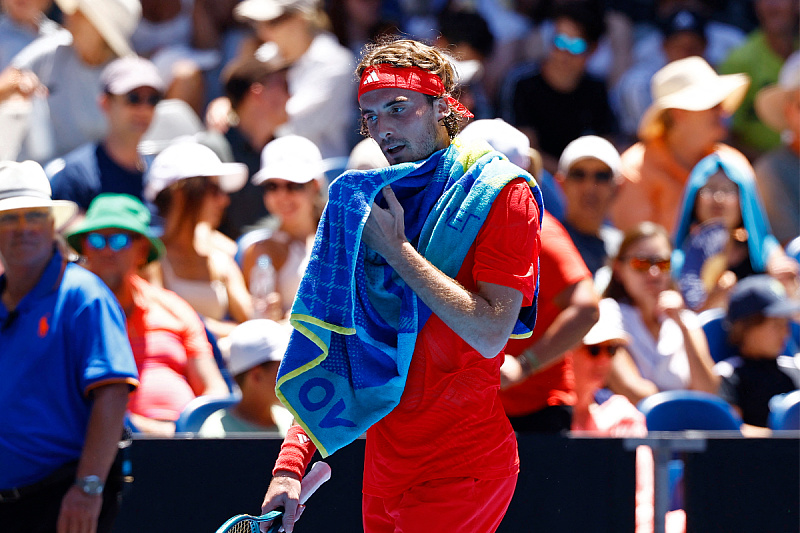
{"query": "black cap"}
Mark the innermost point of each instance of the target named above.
(760, 295)
(684, 20)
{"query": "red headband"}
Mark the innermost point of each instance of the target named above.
(384, 75)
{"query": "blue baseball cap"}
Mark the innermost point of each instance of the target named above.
(760, 295)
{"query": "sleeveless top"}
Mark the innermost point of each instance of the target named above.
(291, 272)
(209, 298)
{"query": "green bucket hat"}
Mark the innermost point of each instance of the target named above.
(121, 211)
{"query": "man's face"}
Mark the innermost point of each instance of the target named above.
(26, 237)
(566, 61)
(703, 128)
(682, 45)
(588, 189)
(129, 115)
(115, 254)
(404, 123)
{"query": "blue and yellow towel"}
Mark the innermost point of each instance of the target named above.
(355, 321)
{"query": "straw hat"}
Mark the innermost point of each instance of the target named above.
(770, 100)
(690, 84)
(25, 185)
(116, 20)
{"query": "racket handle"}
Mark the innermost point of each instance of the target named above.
(319, 473)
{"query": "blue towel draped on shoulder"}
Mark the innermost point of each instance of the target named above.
(355, 320)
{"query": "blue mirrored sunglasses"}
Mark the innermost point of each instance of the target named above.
(574, 45)
(115, 241)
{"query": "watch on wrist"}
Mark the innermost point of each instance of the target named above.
(91, 485)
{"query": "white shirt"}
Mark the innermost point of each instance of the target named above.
(662, 361)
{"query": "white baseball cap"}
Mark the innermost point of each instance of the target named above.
(291, 158)
(607, 328)
(589, 146)
(188, 159)
(127, 73)
(254, 342)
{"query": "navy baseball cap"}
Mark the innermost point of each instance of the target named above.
(684, 20)
(760, 295)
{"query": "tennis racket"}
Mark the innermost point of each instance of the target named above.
(244, 523)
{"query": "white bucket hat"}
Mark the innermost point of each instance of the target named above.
(770, 100)
(690, 84)
(187, 159)
(291, 158)
(265, 10)
(254, 342)
(25, 185)
(590, 146)
(116, 20)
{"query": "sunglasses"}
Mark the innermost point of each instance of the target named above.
(34, 218)
(115, 241)
(644, 264)
(574, 45)
(290, 186)
(580, 175)
(135, 98)
(596, 349)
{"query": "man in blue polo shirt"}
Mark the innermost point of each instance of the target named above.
(66, 369)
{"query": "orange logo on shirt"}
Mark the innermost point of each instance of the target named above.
(44, 327)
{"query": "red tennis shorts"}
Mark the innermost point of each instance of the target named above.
(450, 504)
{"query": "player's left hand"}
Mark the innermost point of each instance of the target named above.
(79, 512)
(384, 230)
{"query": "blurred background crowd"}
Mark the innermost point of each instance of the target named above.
(665, 135)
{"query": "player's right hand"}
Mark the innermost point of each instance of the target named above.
(284, 491)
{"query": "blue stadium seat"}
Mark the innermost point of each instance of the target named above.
(717, 336)
(681, 410)
(196, 412)
(784, 411)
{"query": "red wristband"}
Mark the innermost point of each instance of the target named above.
(296, 452)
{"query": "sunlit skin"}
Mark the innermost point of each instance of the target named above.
(293, 208)
(114, 266)
(645, 287)
(561, 69)
(700, 130)
(89, 44)
(291, 33)
(131, 120)
(215, 202)
(28, 12)
(404, 123)
(765, 340)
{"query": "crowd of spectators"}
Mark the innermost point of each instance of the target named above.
(665, 136)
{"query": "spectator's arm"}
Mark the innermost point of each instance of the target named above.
(580, 312)
(80, 511)
(205, 378)
(624, 378)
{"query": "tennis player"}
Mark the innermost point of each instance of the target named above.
(445, 457)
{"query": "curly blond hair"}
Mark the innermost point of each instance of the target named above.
(401, 52)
